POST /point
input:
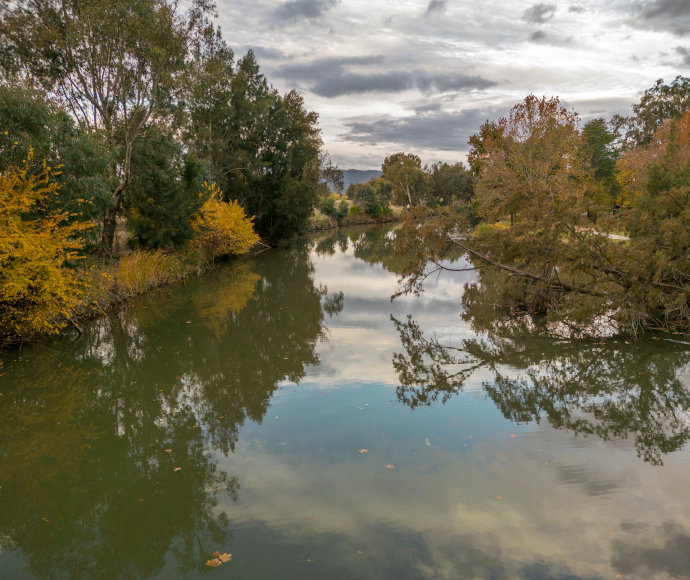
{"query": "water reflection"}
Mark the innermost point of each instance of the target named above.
(609, 388)
(107, 442)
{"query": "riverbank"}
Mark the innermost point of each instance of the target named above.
(107, 284)
(320, 222)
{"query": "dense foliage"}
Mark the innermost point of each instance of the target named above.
(38, 294)
(592, 231)
(138, 103)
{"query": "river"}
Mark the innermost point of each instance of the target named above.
(283, 410)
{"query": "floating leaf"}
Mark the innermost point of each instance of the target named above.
(214, 563)
(390, 466)
(363, 451)
(512, 435)
(177, 469)
(216, 553)
(498, 496)
(168, 450)
(225, 557)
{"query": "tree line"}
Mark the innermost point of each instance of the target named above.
(588, 224)
(135, 115)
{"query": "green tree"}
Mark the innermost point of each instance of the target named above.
(332, 176)
(272, 159)
(31, 124)
(374, 196)
(207, 94)
(115, 65)
(166, 193)
(404, 172)
(661, 102)
(602, 155)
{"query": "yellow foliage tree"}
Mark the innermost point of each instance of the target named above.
(223, 228)
(39, 293)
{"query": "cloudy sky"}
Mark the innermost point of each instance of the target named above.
(421, 75)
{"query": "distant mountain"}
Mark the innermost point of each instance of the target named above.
(359, 176)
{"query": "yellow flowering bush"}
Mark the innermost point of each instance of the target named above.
(39, 292)
(223, 228)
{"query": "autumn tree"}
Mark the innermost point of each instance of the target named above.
(404, 172)
(530, 167)
(558, 263)
(39, 292)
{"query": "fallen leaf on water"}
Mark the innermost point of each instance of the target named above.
(168, 450)
(177, 469)
(390, 466)
(216, 553)
(308, 517)
(512, 435)
(428, 442)
(189, 322)
(360, 552)
(619, 576)
(363, 450)
(225, 557)
(214, 563)
(498, 496)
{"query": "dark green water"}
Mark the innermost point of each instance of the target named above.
(228, 414)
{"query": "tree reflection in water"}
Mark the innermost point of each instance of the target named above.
(92, 432)
(608, 387)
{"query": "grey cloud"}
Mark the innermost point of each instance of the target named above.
(353, 83)
(319, 68)
(436, 7)
(441, 130)
(576, 8)
(330, 77)
(269, 53)
(303, 9)
(684, 53)
(430, 107)
(395, 82)
(539, 13)
(671, 15)
(541, 37)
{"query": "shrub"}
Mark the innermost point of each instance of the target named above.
(39, 291)
(223, 228)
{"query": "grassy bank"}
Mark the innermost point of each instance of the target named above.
(320, 222)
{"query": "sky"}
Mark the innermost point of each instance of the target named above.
(421, 76)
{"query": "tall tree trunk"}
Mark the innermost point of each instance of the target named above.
(110, 216)
(108, 235)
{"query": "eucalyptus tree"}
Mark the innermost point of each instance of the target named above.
(114, 65)
(404, 171)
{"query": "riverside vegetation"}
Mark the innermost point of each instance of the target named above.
(136, 116)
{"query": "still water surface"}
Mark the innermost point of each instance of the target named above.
(232, 414)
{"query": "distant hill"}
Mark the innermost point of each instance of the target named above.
(359, 176)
